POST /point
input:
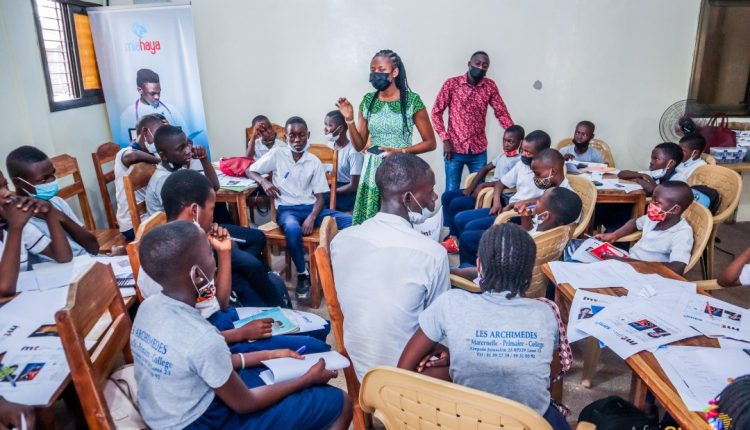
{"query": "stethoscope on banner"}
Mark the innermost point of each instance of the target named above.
(138, 100)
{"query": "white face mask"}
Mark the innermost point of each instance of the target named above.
(658, 174)
(197, 224)
(537, 220)
(417, 217)
(151, 148)
(331, 139)
(291, 148)
(690, 161)
(207, 303)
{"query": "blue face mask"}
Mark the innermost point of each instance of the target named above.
(44, 191)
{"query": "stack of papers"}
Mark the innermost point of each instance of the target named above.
(306, 321)
(46, 276)
(715, 318)
(615, 184)
(33, 370)
(286, 369)
(234, 183)
(586, 305)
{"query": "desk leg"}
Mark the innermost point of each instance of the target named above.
(591, 353)
(638, 390)
(242, 211)
(639, 208)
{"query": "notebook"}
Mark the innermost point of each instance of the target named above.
(592, 250)
(286, 369)
(281, 324)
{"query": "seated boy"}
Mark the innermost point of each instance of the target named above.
(298, 185)
(667, 237)
(457, 201)
(349, 160)
(263, 139)
(142, 150)
(581, 149)
(664, 160)
(737, 272)
(185, 371)
(692, 146)
(18, 238)
(33, 175)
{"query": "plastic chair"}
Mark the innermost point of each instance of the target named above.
(728, 184)
(106, 153)
(597, 144)
(586, 190)
(708, 158)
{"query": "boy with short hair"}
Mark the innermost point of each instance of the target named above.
(667, 238)
(298, 185)
(142, 150)
(350, 162)
(263, 138)
(33, 175)
(580, 149)
(665, 157)
(692, 146)
(184, 369)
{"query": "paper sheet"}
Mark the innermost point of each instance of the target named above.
(39, 305)
(120, 264)
(234, 182)
(585, 305)
(586, 252)
(55, 275)
(306, 321)
(608, 273)
(38, 367)
(26, 282)
(15, 330)
(285, 369)
(714, 317)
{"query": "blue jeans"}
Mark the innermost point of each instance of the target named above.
(344, 202)
(455, 167)
(454, 202)
(290, 219)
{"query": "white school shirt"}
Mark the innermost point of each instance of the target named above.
(386, 273)
(745, 275)
(682, 172)
(592, 155)
(521, 177)
(123, 212)
(261, 149)
(350, 163)
(41, 224)
(663, 246)
(155, 184)
(297, 182)
(32, 241)
(503, 164)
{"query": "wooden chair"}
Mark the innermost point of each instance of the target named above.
(597, 144)
(134, 182)
(586, 190)
(401, 399)
(728, 184)
(105, 154)
(708, 158)
(325, 272)
(147, 225)
(94, 299)
(66, 165)
(275, 235)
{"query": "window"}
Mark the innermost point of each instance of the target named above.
(721, 67)
(67, 51)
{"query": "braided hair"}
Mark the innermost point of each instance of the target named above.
(507, 254)
(733, 402)
(401, 83)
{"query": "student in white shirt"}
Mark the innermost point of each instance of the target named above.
(263, 138)
(581, 149)
(33, 175)
(143, 150)
(386, 272)
(665, 157)
(737, 272)
(350, 162)
(667, 237)
(692, 146)
(298, 185)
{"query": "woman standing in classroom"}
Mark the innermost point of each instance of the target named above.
(387, 117)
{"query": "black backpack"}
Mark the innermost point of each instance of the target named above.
(614, 413)
(708, 193)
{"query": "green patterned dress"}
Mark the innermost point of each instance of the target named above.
(386, 127)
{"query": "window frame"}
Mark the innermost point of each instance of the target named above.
(88, 97)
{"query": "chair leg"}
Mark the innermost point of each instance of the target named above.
(316, 290)
(288, 261)
(709, 255)
(591, 353)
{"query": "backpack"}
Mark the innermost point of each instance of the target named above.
(235, 166)
(615, 413)
(120, 394)
(707, 196)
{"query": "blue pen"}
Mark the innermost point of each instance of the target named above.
(286, 175)
(301, 349)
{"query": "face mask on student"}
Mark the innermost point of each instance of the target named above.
(512, 153)
(206, 303)
(304, 148)
(526, 160)
(379, 80)
(659, 173)
(331, 139)
(537, 220)
(43, 191)
(417, 217)
(544, 183)
(656, 214)
(476, 73)
(690, 161)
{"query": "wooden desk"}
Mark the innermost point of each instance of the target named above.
(636, 198)
(647, 373)
(238, 200)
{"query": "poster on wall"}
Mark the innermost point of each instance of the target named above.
(148, 64)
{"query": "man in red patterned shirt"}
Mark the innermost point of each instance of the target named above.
(467, 97)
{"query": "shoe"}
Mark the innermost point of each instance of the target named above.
(451, 245)
(303, 287)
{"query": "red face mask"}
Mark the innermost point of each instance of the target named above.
(655, 213)
(512, 153)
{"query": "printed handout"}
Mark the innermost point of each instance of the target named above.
(586, 304)
(714, 317)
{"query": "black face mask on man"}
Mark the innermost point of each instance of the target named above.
(476, 73)
(526, 160)
(379, 80)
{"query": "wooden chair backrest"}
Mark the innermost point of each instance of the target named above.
(726, 182)
(398, 396)
(328, 230)
(94, 299)
(132, 248)
(708, 158)
(597, 144)
(105, 154)
(279, 129)
(136, 179)
(66, 165)
(586, 190)
(330, 156)
(701, 221)
(549, 247)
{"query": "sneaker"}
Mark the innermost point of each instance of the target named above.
(303, 287)
(451, 245)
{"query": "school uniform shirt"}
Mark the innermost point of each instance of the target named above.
(521, 177)
(386, 273)
(745, 275)
(663, 246)
(155, 184)
(32, 241)
(180, 359)
(683, 171)
(350, 163)
(298, 182)
(503, 164)
(261, 149)
(498, 345)
(592, 155)
(41, 224)
(123, 212)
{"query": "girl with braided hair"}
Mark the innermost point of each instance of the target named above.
(498, 341)
(386, 118)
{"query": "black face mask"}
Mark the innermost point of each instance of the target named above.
(526, 160)
(379, 80)
(581, 144)
(476, 73)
